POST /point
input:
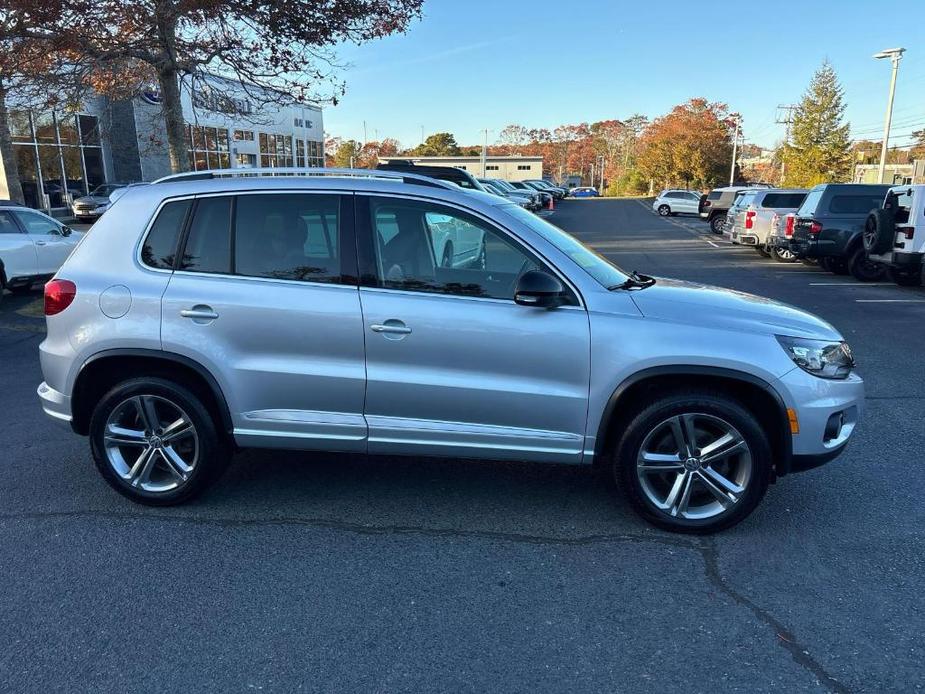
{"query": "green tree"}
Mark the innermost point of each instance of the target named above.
(437, 145)
(346, 154)
(820, 147)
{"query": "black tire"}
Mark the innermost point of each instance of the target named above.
(865, 270)
(879, 231)
(707, 403)
(664, 211)
(835, 265)
(717, 222)
(782, 256)
(763, 252)
(906, 278)
(810, 262)
(213, 446)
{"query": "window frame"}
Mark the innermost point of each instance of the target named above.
(346, 237)
(368, 267)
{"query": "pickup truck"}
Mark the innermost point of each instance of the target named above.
(829, 227)
(32, 247)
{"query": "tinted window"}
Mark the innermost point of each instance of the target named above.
(8, 224)
(160, 247)
(715, 195)
(289, 236)
(674, 195)
(208, 246)
(779, 201)
(854, 204)
(427, 248)
(810, 203)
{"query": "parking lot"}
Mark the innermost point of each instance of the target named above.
(326, 572)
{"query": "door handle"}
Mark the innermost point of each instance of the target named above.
(391, 326)
(199, 313)
(40, 243)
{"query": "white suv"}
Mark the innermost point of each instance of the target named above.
(32, 247)
(670, 202)
(892, 236)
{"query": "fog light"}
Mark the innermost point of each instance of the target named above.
(833, 426)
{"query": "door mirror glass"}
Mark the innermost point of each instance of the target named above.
(65, 230)
(540, 289)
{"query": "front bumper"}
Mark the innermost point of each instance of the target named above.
(55, 404)
(88, 212)
(828, 412)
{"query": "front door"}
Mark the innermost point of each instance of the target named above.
(454, 366)
(265, 296)
(51, 247)
(17, 250)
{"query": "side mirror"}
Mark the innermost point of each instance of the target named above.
(66, 230)
(540, 289)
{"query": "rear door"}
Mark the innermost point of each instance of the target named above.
(17, 251)
(265, 296)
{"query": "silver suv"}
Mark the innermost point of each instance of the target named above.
(311, 311)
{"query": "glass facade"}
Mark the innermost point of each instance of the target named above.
(208, 147)
(59, 156)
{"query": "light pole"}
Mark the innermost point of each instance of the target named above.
(895, 55)
(735, 150)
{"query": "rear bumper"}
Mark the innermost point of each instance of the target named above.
(55, 404)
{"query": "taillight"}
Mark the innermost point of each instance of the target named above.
(59, 294)
(788, 229)
(749, 219)
(908, 231)
(706, 203)
(815, 228)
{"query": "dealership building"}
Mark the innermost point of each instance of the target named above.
(509, 168)
(62, 156)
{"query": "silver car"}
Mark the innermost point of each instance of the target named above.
(675, 201)
(90, 207)
(754, 212)
(212, 312)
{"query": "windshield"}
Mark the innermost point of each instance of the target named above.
(808, 208)
(601, 269)
(104, 189)
(504, 185)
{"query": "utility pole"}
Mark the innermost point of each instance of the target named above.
(735, 149)
(422, 134)
(895, 55)
(364, 132)
(785, 117)
(484, 152)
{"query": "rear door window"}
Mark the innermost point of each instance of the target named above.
(208, 245)
(783, 201)
(715, 195)
(160, 247)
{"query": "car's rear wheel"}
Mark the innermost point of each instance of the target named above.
(697, 462)
(664, 210)
(155, 442)
(717, 223)
(863, 269)
(782, 255)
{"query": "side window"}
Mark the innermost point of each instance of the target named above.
(37, 224)
(208, 244)
(160, 246)
(8, 225)
(429, 248)
(288, 236)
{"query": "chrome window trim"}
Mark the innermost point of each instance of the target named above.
(506, 233)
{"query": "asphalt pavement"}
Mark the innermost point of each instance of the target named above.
(335, 573)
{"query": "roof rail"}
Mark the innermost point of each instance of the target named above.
(402, 176)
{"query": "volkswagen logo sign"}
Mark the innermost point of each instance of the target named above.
(152, 94)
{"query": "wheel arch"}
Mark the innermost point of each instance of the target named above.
(755, 393)
(103, 370)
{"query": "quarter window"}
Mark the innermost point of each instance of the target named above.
(288, 236)
(208, 247)
(426, 248)
(160, 247)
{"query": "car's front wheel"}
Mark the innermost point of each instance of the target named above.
(664, 210)
(696, 462)
(155, 442)
(865, 270)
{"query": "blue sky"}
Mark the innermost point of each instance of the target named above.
(474, 64)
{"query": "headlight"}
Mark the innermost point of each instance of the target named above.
(822, 358)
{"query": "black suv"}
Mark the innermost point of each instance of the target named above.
(462, 178)
(829, 227)
(713, 207)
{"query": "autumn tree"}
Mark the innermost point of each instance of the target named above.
(437, 145)
(279, 52)
(512, 138)
(346, 155)
(690, 146)
(819, 149)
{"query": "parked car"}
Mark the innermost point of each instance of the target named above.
(32, 247)
(460, 177)
(545, 197)
(890, 236)
(676, 201)
(752, 214)
(829, 227)
(536, 200)
(543, 185)
(90, 207)
(584, 192)
(524, 200)
(302, 312)
(779, 236)
(714, 206)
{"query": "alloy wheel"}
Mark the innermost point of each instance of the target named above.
(151, 443)
(694, 466)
